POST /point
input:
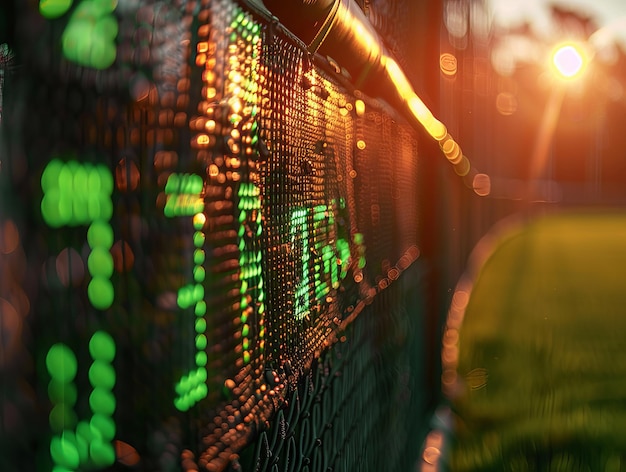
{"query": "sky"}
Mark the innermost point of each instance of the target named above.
(504, 18)
(608, 15)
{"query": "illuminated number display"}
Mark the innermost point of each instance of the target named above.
(184, 198)
(87, 443)
(204, 245)
(250, 263)
(324, 265)
(79, 194)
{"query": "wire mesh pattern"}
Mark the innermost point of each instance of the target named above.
(345, 413)
(207, 223)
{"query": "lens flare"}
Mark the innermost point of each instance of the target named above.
(569, 60)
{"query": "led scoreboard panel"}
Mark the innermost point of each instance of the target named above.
(194, 213)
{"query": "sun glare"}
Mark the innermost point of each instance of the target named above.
(569, 61)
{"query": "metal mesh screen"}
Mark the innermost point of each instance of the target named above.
(204, 229)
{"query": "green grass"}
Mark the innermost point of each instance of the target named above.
(546, 320)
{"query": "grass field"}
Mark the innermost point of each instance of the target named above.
(542, 351)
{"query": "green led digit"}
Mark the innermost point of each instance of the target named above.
(322, 263)
(184, 198)
(79, 194)
(250, 266)
(54, 8)
(75, 194)
(89, 37)
(299, 233)
(84, 444)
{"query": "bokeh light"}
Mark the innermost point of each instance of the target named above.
(123, 256)
(70, 267)
(102, 347)
(11, 326)
(54, 8)
(89, 38)
(448, 64)
(86, 442)
(506, 103)
(127, 175)
(9, 237)
(61, 363)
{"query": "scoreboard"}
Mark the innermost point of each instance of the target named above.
(195, 214)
